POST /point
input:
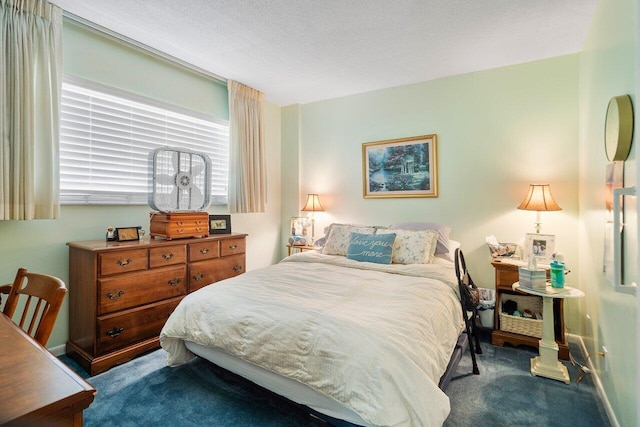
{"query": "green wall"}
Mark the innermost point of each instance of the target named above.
(102, 60)
(608, 68)
(40, 246)
(498, 131)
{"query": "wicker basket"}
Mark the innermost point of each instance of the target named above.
(522, 325)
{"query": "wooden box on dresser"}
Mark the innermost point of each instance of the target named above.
(121, 293)
(506, 274)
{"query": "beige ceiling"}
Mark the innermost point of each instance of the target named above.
(299, 51)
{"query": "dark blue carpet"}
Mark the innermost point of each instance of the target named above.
(146, 392)
(506, 394)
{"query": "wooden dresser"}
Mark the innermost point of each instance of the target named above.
(121, 293)
(506, 275)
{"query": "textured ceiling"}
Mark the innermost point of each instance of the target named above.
(299, 51)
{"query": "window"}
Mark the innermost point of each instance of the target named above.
(106, 136)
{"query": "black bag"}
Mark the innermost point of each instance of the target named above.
(469, 293)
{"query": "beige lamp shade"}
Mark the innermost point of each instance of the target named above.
(539, 199)
(313, 204)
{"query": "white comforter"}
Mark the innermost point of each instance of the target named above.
(376, 338)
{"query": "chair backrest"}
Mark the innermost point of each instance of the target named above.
(469, 294)
(42, 296)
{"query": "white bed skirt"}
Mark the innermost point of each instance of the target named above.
(291, 389)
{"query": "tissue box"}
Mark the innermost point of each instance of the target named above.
(536, 279)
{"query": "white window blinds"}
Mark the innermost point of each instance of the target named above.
(106, 136)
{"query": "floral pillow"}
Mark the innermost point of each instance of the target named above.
(338, 237)
(443, 230)
(411, 246)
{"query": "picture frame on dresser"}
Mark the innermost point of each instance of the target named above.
(126, 234)
(219, 224)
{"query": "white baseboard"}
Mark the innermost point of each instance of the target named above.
(577, 339)
(58, 350)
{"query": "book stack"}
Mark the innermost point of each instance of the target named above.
(534, 279)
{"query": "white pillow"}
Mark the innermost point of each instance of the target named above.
(453, 245)
(411, 246)
(338, 237)
(442, 229)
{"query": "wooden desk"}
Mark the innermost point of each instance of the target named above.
(35, 387)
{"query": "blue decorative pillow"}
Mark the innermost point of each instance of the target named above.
(371, 247)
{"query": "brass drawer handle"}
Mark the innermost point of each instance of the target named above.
(115, 332)
(237, 268)
(115, 295)
(175, 282)
(167, 256)
(205, 251)
(124, 262)
(233, 246)
(198, 229)
(198, 277)
(180, 230)
(180, 223)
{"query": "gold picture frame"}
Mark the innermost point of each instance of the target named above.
(404, 167)
(125, 234)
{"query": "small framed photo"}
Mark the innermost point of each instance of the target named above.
(300, 226)
(219, 224)
(127, 233)
(540, 246)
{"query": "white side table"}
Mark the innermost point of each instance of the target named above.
(547, 364)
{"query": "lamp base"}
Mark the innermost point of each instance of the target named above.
(538, 222)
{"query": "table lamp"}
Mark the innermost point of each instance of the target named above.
(539, 199)
(313, 205)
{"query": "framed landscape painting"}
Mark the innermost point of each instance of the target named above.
(405, 167)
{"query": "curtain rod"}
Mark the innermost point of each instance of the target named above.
(102, 31)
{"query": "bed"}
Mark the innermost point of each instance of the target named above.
(365, 343)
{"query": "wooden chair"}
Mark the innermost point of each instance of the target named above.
(46, 292)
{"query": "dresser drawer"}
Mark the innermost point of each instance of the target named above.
(117, 331)
(122, 261)
(132, 290)
(175, 231)
(204, 250)
(204, 273)
(167, 255)
(232, 246)
(507, 277)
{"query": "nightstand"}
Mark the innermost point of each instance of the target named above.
(506, 274)
(297, 248)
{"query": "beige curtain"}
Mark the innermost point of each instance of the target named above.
(30, 85)
(247, 178)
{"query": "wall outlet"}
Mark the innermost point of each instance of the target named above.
(604, 353)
